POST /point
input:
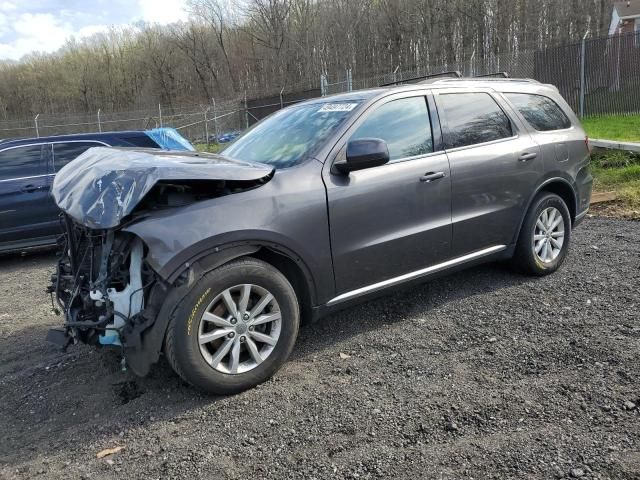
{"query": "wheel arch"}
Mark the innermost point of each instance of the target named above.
(564, 190)
(148, 350)
(561, 187)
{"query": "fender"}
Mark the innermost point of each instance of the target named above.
(143, 349)
(541, 187)
(213, 252)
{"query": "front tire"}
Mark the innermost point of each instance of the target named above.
(544, 239)
(235, 328)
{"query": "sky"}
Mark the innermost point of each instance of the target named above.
(44, 25)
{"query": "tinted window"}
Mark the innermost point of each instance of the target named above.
(403, 124)
(21, 162)
(290, 135)
(473, 118)
(63, 153)
(141, 140)
(542, 113)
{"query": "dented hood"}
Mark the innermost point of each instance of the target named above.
(103, 185)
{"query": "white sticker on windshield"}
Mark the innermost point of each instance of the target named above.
(338, 107)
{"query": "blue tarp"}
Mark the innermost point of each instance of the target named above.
(169, 139)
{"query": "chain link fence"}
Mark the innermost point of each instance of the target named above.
(596, 76)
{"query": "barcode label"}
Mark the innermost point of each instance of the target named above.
(338, 107)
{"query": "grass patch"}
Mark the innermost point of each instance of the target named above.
(211, 148)
(629, 194)
(618, 171)
(613, 127)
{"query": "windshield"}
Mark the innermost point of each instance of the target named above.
(288, 136)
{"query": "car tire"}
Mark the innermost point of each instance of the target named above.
(213, 317)
(545, 236)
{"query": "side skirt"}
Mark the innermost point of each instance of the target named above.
(345, 300)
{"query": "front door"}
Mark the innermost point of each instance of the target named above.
(24, 195)
(394, 219)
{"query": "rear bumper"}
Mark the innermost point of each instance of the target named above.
(584, 185)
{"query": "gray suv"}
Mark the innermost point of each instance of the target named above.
(213, 260)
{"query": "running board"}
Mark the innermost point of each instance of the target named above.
(417, 274)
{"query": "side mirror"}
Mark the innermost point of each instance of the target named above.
(364, 153)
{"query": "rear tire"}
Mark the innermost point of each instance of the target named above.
(545, 235)
(235, 328)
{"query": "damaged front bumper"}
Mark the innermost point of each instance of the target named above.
(104, 283)
(101, 285)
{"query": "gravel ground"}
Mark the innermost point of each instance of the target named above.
(482, 374)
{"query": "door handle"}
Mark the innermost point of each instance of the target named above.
(525, 157)
(31, 188)
(431, 176)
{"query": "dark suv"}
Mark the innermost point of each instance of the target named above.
(28, 214)
(213, 259)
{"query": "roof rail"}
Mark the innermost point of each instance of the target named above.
(482, 79)
(455, 73)
(494, 74)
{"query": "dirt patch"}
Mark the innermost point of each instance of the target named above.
(615, 209)
(482, 374)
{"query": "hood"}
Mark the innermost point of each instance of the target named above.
(103, 185)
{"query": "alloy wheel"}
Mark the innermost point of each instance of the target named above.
(548, 235)
(239, 329)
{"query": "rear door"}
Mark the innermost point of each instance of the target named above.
(495, 165)
(394, 219)
(63, 153)
(24, 194)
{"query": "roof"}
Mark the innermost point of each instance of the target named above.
(627, 8)
(76, 136)
(497, 84)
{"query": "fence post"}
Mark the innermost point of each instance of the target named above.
(215, 119)
(35, 120)
(323, 84)
(349, 80)
(246, 111)
(583, 59)
(206, 127)
(395, 74)
(160, 114)
(281, 102)
(99, 124)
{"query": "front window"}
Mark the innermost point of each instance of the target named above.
(289, 136)
(21, 162)
(404, 124)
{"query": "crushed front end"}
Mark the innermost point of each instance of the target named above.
(100, 284)
(106, 282)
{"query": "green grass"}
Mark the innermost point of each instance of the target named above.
(618, 171)
(211, 148)
(613, 127)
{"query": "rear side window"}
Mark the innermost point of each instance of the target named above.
(63, 153)
(473, 118)
(541, 112)
(21, 162)
(141, 140)
(404, 124)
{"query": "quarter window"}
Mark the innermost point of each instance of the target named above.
(63, 153)
(541, 112)
(473, 118)
(21, 162)
(404, 124)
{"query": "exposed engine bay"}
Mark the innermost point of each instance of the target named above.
(104, 284)
(100, 284)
